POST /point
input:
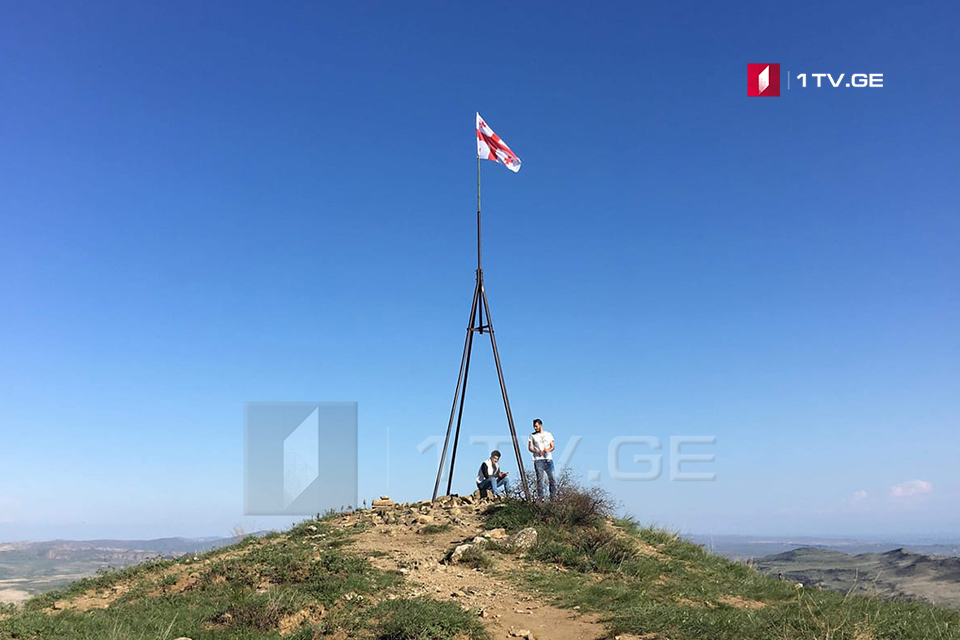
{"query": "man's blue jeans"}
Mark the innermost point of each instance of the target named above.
(491, 484)
(544, 468)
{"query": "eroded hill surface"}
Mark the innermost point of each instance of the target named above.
(459, 569)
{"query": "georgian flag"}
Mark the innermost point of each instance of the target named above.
(491, 147)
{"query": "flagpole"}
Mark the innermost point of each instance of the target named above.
(478, 212)
(479, 311)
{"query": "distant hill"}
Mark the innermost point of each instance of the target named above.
(31, 568)
(741, 547)
(898, 572)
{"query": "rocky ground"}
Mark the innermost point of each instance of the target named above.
(424, 541)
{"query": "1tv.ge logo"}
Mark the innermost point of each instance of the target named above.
(763, 80)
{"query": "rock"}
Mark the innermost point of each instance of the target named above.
(425, 519)
(466, 499)
(523, 539)
(458, 552)
(496, 534)
(384, 497)
(522, 633)
(479, 540)
(383, 502)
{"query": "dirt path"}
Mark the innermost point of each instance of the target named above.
(506, 610)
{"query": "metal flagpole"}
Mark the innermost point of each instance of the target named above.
(478, 212)
(479, 309)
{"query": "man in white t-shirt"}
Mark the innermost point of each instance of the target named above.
(541, 446)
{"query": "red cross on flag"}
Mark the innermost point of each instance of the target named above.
(491, 147)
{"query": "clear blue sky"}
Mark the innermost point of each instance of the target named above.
(204, 204)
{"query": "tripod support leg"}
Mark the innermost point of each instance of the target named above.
(467, 343)
(503, 390)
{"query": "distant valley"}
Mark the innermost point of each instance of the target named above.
(897, 573)
(927, 569)
(30, 568)
(740, 547)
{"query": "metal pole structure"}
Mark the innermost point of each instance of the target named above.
(463, 390)
(479, 308)
(503, 390)
(479, 268)
(478, 212)
(467, 343)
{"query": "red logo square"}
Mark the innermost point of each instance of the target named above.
(763, 80)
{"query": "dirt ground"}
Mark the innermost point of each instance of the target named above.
(505, 609)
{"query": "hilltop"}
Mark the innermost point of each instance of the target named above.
(459, 568)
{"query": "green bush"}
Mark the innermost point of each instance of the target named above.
(571, 506)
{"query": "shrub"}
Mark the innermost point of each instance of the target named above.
(571, 506)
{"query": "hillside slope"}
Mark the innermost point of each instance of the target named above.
(388, 573)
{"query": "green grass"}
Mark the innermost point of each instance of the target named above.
(476, 558)
(237, 597)
(433, 529)
(421, 619)
(655, 582)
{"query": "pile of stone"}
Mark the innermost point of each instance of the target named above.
(451, 510)
(383, 502)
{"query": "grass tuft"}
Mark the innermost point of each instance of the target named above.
(476, 558)
(422, 619)
(433, 529)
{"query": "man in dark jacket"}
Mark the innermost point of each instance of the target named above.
(490, 477)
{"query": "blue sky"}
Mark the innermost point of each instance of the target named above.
(209, 204)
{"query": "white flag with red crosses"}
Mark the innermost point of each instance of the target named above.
(491, 147)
